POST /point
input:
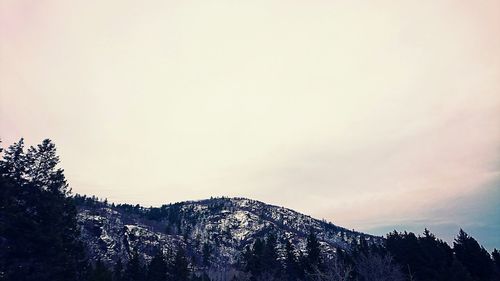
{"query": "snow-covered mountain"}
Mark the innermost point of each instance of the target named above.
(214, 231)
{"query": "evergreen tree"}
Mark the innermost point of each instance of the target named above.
(405, 249)
(313, 261)
(134, 270)
(14, 165)
(206, 254)
(436, 257)
(292, 270)
(38, 227)
(372, 266)
(269, 257)
(118, 271)
(474, 257)
(180, 267)
(100, 273)
(41, 167)
(457, 272)
(202, 277)
(157, 270)
(496, 261)
(253, 259)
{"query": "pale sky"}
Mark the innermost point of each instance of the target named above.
(370, 114)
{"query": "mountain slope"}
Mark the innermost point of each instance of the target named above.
(214, 231)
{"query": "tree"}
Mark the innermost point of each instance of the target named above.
(376, 267)
(292, 270)
(474, 257)
(336, 269)
(269, 257)
(206, 254)
(496, 261)
(313, 260)
(134, 270)
(253, 259)
(118, 271)
(180, 268)
(100, 273)
(13, 165)
(457, 272)
(436, 257)
(41, 167)
(38, 227)
(157, 270)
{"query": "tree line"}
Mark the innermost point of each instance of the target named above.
(39, 240)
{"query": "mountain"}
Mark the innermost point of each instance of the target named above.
(214, 232)
(48, 234)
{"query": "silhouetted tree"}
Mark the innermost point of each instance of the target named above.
(118, 271)
(269, 257)
(206, 254)
(157, 269)
(253, 259)
(99, 272)
(474, 257)
(496, 261)
(38, 228)
(180, 268)
(134, 270)
(375, 267)
(313, 259)
(292, 270)
(457, 272)
(13, 166)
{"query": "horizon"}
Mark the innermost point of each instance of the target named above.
(371, 116)
(380, 233)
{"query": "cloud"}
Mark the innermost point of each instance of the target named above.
(477, 213)
(357, 112)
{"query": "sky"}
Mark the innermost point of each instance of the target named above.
(375, 115)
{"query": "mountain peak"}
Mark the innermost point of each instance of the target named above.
(223, 226)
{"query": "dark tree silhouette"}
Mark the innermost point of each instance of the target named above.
(313, 260)
(180, 269)
(474, 257)
(38, 228)
(292, 270)
(99, 272)
(157, 270)
(135, 271)
(118, 271)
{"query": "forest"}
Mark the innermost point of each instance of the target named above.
(40, 240)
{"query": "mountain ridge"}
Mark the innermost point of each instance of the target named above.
(220, 228)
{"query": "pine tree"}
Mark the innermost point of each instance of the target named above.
(51, 249)
(253, 259)
(496, 261)
(313, 261)
(292, 271)
(436, 257)
(375, 267)
(474, 257)
(14, 165)
(134, 270)
(269, 257)
(100, 273)
(180, 268)
(457, 272)
(206, 254)
(157, 269)
(42, 171)
(406, 250)
(118, 271)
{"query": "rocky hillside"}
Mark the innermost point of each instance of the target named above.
(214, 232)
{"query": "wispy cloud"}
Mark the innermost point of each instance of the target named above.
(362, 113)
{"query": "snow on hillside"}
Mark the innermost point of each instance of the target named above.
(218, 229)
